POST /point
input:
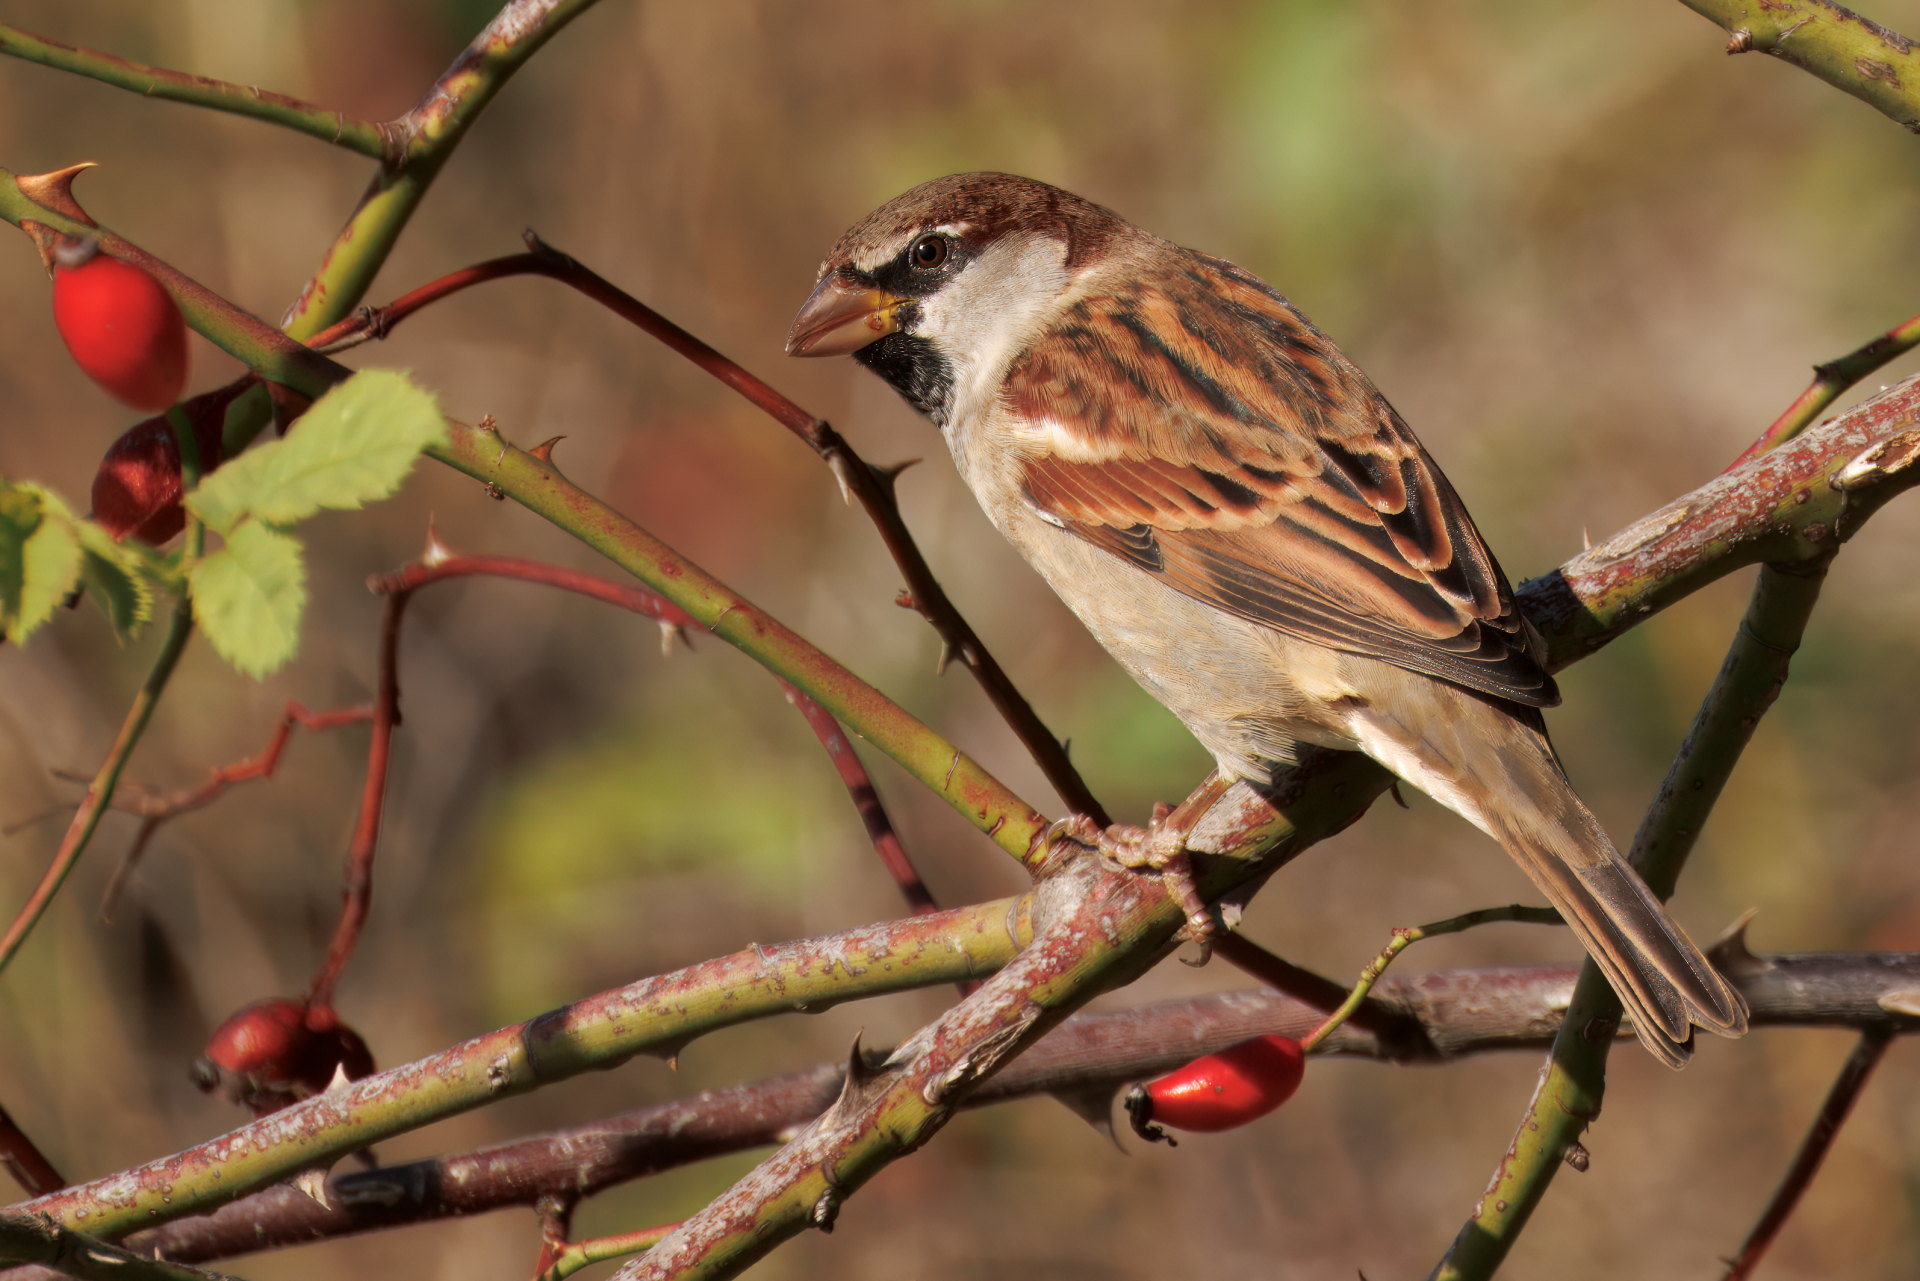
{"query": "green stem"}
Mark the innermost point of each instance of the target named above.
(1570, 1091)
(430, 132)
(363, 136)
(1405, 938)
(657, 1015)
(1852, 53)
(100, 792)
(575, 1255)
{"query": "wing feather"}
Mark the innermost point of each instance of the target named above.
(1252, 466)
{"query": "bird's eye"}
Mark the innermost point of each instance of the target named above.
(929, 252)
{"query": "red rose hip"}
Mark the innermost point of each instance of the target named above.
(122, 328)
(136, 491)
(1219, 1091)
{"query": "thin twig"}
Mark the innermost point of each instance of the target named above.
(99, 795)
(575, 1255)
(866, 801)
(871, 486)
(156, 808)
(363, 136)
(1866, 1056)
(1405, 937)
(1302, 984)
(358, 895)
(1829, 381)
(23, 1159)
(859, 785)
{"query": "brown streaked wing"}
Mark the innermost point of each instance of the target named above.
(1229, 447)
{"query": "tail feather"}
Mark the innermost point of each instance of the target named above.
(1495, 768)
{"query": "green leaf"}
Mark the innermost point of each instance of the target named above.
(249, 595)
(19, 517)
(115, 579)
(353, 447)
(39, 557)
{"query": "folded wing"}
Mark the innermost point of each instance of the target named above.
(1257, 469)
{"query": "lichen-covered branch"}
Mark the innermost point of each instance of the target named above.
(654, 1016)
(1439, 1017)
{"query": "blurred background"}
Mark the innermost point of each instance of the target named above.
(1585, 254)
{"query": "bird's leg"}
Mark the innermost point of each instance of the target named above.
(1160, 846)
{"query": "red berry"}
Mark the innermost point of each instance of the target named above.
(278, 1051)
(266, 1041)
(1220, 1091)
(121, 326)
(136, 491)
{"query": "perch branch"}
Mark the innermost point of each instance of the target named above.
(1455, 1014)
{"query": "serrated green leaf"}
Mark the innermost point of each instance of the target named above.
(19, 517)
(353, 447)
(116, 585)
(249, 595)
(50, 568)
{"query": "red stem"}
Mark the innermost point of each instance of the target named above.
(859, 784)
(1831, 379)
(156, 810)
(858, 479)
(866, 800)
(366, 836)
(1813, 1150)
(24, 1161)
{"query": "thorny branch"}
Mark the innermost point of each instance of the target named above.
(1570, 1091)
(441, 565)
(871, 486)
(1437, 1018)
(1851, 52)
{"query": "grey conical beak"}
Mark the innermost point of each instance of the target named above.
(841, 317)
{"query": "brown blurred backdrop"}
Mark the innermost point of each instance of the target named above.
(1586, 255)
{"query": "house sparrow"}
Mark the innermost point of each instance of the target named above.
(1244, 522)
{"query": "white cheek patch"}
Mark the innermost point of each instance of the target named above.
(991, 310)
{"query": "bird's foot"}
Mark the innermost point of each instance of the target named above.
(1159, 847)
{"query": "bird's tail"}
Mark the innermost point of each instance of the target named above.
(1496, 769)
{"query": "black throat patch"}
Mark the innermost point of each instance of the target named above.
(916, 370)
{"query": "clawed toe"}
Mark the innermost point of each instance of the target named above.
(1160, 847)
